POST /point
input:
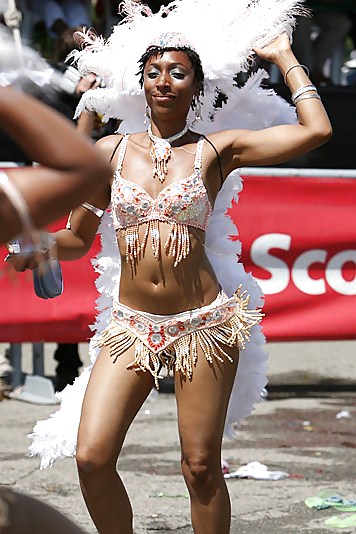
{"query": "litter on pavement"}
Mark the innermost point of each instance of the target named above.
(257, 471)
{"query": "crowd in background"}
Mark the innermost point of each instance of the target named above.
(324, 41)
(327, 36)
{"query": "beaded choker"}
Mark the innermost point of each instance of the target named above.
(161, 152)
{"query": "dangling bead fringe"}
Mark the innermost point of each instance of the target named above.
(160, 154)
(177, 244)
(155, 237)
(133, 246)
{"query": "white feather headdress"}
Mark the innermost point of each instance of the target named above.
(223, 33)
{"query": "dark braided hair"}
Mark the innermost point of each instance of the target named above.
(158, 51)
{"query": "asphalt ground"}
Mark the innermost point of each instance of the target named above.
(296, 430)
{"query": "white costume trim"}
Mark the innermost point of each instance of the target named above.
(249, 107)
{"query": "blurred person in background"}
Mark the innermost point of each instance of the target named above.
(68, 171)
(60, 15)
(31, 198)
(331, 19)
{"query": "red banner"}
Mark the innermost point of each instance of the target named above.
(299, 241)
(26, 317)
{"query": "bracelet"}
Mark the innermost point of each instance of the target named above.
(97, 211)
(18, 202)
(293, 67)
(302, 90)
(306, 97)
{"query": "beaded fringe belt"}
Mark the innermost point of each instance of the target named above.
(172, 341)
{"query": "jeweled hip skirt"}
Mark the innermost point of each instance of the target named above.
(172, 341)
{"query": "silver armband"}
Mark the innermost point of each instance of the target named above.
(68, 223)
(294, 67)
(301, 91)
(97, 211)
(306, 97)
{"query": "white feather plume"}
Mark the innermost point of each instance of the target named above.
(239, 26)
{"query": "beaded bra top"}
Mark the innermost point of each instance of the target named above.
(182, 204)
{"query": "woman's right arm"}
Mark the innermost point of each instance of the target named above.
(76, 239)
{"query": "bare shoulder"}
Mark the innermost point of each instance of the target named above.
(108, 144)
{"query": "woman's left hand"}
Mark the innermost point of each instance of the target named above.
(275, 49)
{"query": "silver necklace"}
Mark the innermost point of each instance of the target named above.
(161, 152)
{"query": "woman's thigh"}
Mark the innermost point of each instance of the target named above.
(202, 403)
(112, 399)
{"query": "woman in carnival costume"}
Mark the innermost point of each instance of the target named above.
(181, 300)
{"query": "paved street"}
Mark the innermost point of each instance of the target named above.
(301, 436)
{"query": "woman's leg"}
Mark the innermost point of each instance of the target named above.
(113, 397)
(202, 404)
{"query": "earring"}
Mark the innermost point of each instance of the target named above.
(147, 116)
(196, 106)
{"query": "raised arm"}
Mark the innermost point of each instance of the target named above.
(280, 143)
(71, 168)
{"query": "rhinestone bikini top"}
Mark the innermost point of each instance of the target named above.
(182, 204)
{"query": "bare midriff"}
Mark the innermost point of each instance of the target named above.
(156, 286)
